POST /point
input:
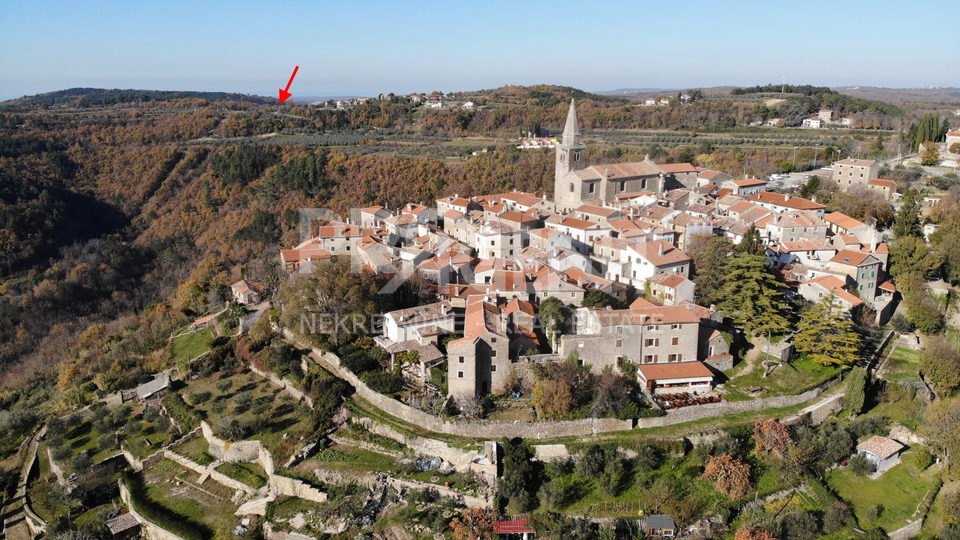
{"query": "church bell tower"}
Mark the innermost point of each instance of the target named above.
(570, 157)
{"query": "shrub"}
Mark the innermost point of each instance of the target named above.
(860, 466)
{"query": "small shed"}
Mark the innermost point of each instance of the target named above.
(155, 389)
(124, 527)
(513, 528)
(881, 452)
(659, 526)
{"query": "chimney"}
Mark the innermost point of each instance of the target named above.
(786, 198)
(660, 249)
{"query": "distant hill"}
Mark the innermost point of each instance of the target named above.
(933, 94)
(635, 93)
(93, 97)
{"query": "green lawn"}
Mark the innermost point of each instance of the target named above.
(207, 508)
(190, 346)
(791, 378)
(196, 449)
(904, 364)
(250, 474)
(900, 489)
(342, 457)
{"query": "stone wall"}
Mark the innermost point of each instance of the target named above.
(548, 430)
(151, 530)
(214, 475)
(284, 384)
(244, 451)
(907, 532)
(689, 414)
(292, 487)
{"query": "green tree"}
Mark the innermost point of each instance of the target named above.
(553, 315)
(929, 154)
(828, 334)
(876, 149)
(912, 255)
(520, 480)
(856, 390)
(597, 298)
(941, 426)
(331, 304)
(810, 188)
(940, 364)
(908, 220)
(709, 255)
(751, 297)
(752, 242)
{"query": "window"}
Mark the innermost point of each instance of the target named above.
(460, 360)
(493, 340)
(674, 326)
(673, 358)
(675, 341)
(653, 327)
(619, 343)
(459, 374)
(493, 367)
(619, 360)
(348, 248)
(619, 329)
(593, 187)
(571, 183)
(493, 353)
(650, 358)
(576, 156)
(652, 342)
(873, 273)
(573, 295)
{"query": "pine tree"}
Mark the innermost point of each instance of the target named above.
(827, 334)
(751, 297)
(751, 242)
(908, 220)
(856, 390)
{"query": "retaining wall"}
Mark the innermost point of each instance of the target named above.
(292, 487)
(214, 475)
(284, 384)
(150, 529)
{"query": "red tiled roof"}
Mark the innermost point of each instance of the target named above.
(674, 370)
(883, 447)
(512, 525)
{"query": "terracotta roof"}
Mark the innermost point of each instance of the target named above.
(673, 168)
(786, 201)
(581, 224)
(806, 245)
(597, 210)
(849, 257)
(885, 183)
(749, 182)
(456, 201)
(888, 286)
(452, 214)
(642, 303)
(518, 306)
(674, 370)
(857, 162)
(882, 447)
(651, 251)
(517, 217)
(513, 525)
(741, 207)
(621, 225)
(842, 220)
(668, 280)
(837, 286)
(724, 192)
(708, 174)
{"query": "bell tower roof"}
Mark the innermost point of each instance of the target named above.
(571, 131)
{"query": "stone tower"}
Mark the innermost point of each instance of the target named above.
(570, 154)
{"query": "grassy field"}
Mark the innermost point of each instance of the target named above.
(175, 488)
(195, 449)
(191, 345)
(791, 378)
(250, 474)
(904, 364)
(347, 458)
(251, 400)
(899, 490)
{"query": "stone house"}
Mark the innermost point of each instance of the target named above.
(881, 452)
(248, 292)
(604, 337)
(401, 325)
(863, 271)
(854, 172)
(672, 289)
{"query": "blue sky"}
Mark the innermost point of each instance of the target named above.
(366, 47)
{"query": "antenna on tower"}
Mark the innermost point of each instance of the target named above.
(783, 85)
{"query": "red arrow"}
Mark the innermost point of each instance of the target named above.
(284, 94)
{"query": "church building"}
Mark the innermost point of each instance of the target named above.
(576, 184)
